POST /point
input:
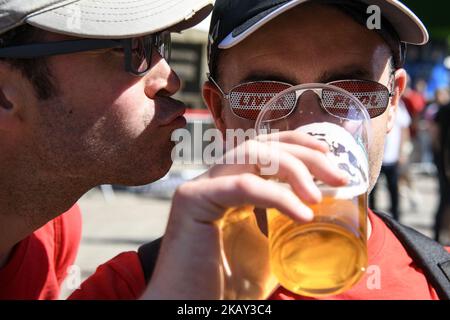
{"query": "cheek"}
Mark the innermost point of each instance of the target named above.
(376, 146)
(95, 126)
(111, 108)
(133, 111)
(233, 122)
(379, 128)
(97, 89)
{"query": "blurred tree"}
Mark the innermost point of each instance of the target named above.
(435, 14)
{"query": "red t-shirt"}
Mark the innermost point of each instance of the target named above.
(39, 263)
(414, 101)
(121, 278)
(399, 278)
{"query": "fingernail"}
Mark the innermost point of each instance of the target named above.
(325, 146)
(345, 178)
(316, 193)
(308, 214)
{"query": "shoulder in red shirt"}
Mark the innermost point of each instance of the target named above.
(121, 278)
(39, 263)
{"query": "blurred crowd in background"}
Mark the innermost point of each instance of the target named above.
(420, 139)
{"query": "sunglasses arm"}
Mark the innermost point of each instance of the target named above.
(210, 78)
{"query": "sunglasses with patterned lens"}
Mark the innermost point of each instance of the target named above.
(373, 95)
(248, 99)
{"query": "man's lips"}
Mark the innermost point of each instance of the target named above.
(169, 111)
(175, 119)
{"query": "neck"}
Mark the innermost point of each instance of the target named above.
(29, 200)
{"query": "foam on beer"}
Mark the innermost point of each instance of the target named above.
(347, 153)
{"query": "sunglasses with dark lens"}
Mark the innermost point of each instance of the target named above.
(138, 51)
(140, 57)
(248, 99)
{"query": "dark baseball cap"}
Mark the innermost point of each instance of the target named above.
(234, 20)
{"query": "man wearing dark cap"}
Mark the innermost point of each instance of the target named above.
(85, 91)
(294, 42)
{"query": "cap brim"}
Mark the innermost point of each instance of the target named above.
(121, 19)
(408, 26)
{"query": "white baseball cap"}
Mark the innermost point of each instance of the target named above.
(110, 19)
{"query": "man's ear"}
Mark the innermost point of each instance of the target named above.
(213, 99)
(400, 81)
(10, 99)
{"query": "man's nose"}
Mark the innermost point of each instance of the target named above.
(308, 110)
(161, 80)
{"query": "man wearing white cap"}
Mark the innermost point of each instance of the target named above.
(292, 42)
(85, 92)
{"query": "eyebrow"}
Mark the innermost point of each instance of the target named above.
(268, 76)
(341, 73)
(346, 73)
